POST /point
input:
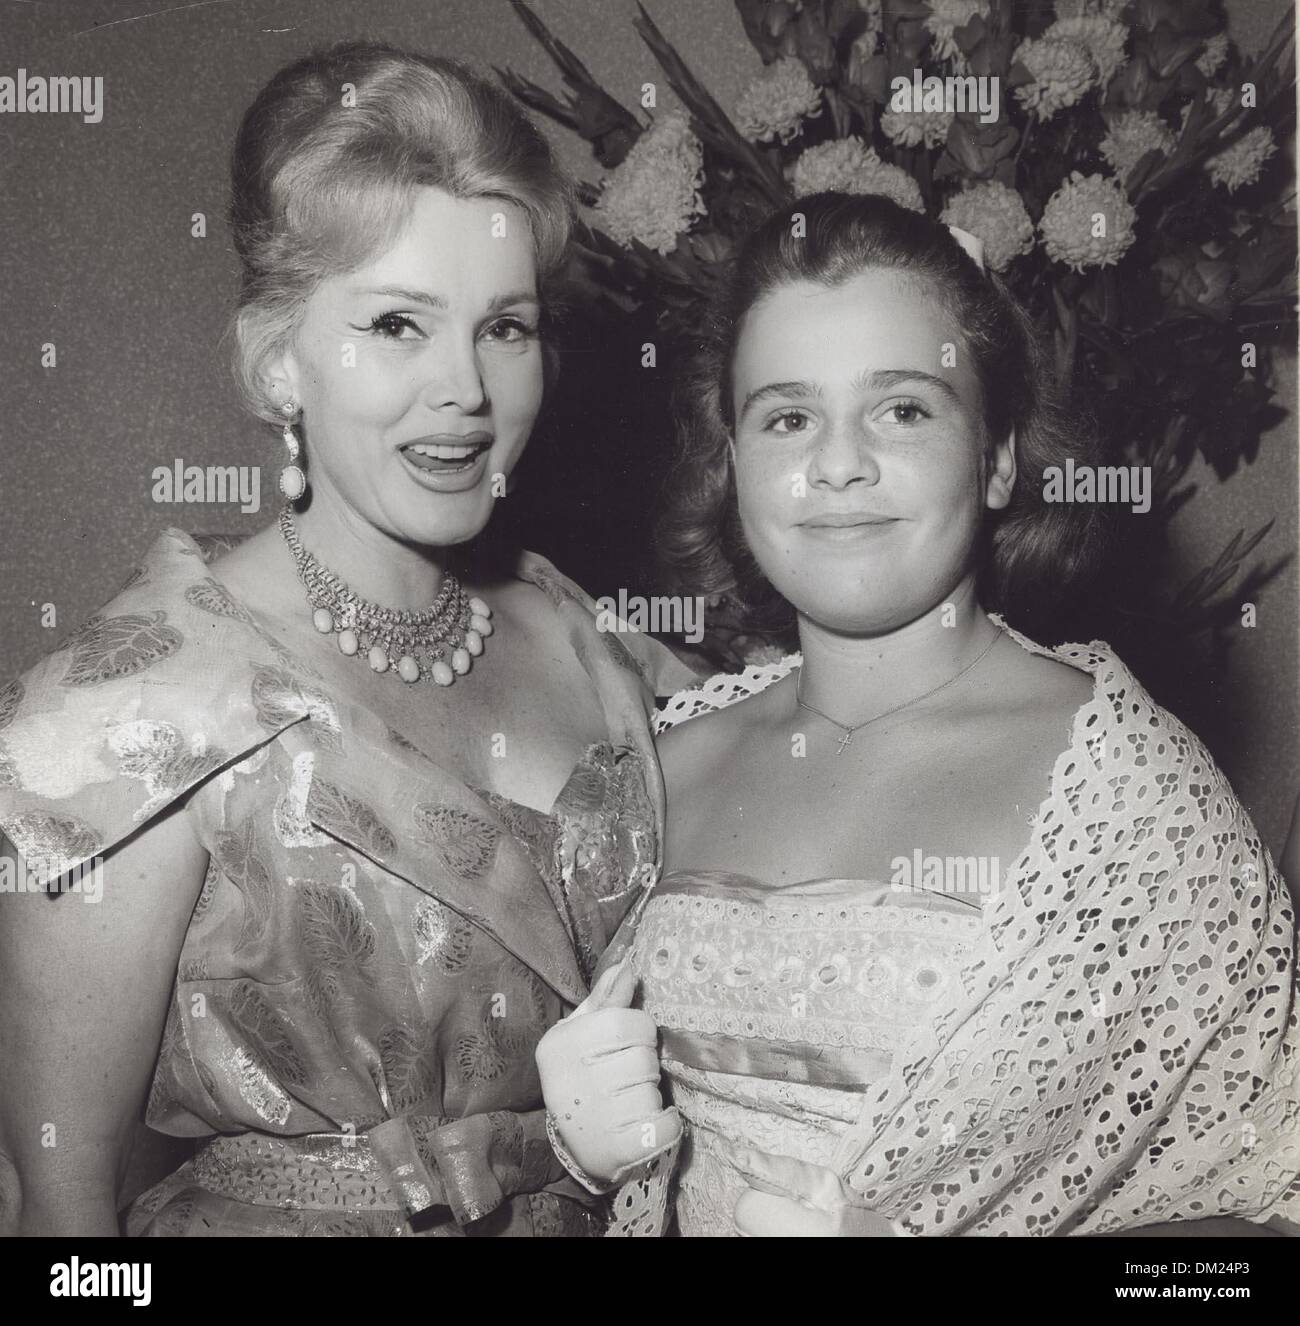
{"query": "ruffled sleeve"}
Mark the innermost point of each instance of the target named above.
(167, 684)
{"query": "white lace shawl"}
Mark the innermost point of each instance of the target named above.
(1125, 1051)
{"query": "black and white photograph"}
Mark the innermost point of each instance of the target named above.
(667, 619)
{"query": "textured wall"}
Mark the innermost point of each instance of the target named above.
(100, 261)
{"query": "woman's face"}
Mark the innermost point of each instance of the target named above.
(860, 464)
(420, 374)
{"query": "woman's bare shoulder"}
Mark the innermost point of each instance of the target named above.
(1029, 681)
(695, 751)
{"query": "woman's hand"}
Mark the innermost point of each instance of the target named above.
(599, 1070)
(790, 1198)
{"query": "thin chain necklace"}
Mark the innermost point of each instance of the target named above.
(440, 641)
(857, 727)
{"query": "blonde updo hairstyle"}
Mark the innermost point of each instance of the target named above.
(325, 166)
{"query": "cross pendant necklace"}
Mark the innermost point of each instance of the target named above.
(849, 730)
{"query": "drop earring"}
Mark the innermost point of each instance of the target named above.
(293, 482)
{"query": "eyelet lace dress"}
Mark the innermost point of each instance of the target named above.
(1111, 1042)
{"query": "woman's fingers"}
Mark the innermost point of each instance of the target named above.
(647, 1137)
(786, 1185)
(767, 1215)
(614, 988)
(600, 1075)
(596, 1037)
(626, 1067)
(784, 1176)
(611, 1030)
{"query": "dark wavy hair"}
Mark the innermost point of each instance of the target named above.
(1033, 552)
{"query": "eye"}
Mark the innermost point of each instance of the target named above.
(907, 412)
(785, 416)
(392, 326)
(510, 331)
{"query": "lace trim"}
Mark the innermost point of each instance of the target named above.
(721, 690)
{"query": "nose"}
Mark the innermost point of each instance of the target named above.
(844, 454)
(457, 376)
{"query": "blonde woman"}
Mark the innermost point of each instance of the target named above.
(368, 803)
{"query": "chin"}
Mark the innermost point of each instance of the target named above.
(860, 604)
(855, 619)
(444, 520)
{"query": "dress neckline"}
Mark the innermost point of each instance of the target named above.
(824, 887)
(527, 569)
(1089, 716)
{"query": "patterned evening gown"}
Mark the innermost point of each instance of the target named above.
(377, 947)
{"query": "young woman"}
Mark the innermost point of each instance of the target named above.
(958, 934)
(367, 805)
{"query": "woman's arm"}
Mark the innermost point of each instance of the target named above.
(84, 993)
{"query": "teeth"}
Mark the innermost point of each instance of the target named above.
(444, 450)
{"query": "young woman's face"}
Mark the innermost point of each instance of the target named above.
(420, 374)
(860, 465)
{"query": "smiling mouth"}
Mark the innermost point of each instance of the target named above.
(446, 457)
(847, 521)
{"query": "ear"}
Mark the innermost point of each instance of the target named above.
(278, 376)
(283, 378)
(1002, 474)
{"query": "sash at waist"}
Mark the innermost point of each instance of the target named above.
(406, 1165)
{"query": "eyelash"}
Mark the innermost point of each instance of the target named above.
(769, 427)
(381, 327)
(911, 405)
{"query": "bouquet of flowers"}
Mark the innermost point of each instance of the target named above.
(1165, 319)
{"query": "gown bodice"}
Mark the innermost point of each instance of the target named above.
(779, 1006)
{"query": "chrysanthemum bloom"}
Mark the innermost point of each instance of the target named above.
(995, 215)
(1215, 53)
(1081, 8)
(945, 17)
(655, 193)
(757, 652)
(1088, 222)
(847, 165)
(1240, 164)
(775, 103)
(1131, 135)
(1103, 38)
(912, 128)
(1062, 72)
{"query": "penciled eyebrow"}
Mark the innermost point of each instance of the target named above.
(878, 380)
(438, 302)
